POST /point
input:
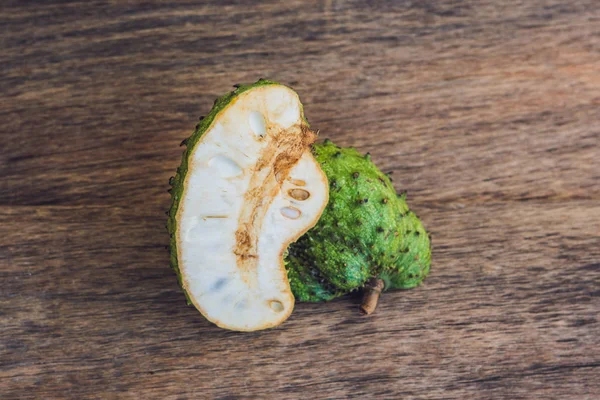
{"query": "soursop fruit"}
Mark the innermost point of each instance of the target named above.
(247, 187)
(251, 182)
(366, 233)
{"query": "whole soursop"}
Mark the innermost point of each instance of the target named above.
(248, 185)
(366, 232)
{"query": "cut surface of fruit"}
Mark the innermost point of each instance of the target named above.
(248, 187)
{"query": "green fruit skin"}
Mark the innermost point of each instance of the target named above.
(177, 181)
(366, 231)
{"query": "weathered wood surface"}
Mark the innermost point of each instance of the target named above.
(488, 112)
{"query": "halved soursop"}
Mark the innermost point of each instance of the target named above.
(247, 187)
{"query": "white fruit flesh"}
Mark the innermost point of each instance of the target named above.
(252, 188)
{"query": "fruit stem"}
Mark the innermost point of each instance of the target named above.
(372, 290)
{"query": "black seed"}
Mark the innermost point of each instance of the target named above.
(381, 180)
(355, 175)
(200, 118)
(166, 213)
(237, 85)
(333, 184)
(169, 191)
(365, 200)
(327, 141)
(379, 229)
(417, 233)
(389, 173)
(358, 223)
(184, 142)
(171, 180)
(337, 154)
(216, 100)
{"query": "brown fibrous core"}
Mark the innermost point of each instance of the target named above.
(281, 154)
(372, 290)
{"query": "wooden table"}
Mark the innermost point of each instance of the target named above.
(487, 112)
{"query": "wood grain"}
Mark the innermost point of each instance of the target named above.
(487, 113)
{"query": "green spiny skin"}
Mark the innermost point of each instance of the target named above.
(365, 231)
(178, 180)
